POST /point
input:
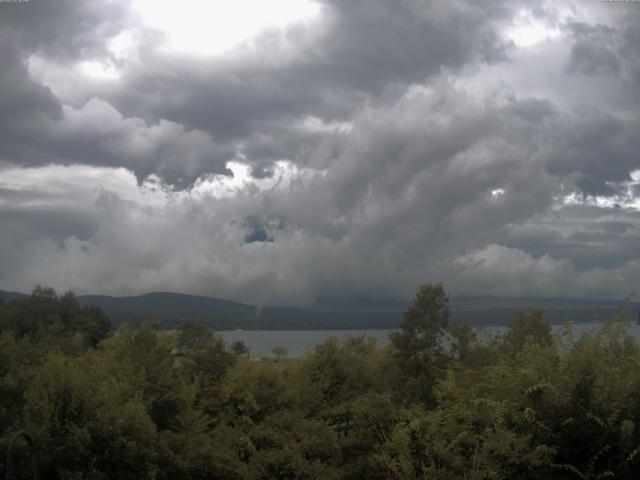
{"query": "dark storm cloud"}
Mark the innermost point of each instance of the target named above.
(100, 133)
(413, 215)
(359, 48)
(595, 149)
(31, 223)
(97, 134)
(594, 50)
(592, 237)
(251, 104)
(25, 106)
(37, 130)
(608, 49)
(67, 30)
(361, 52)
(405, 163)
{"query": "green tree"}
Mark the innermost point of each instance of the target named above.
(205, 359)
(86, 425)
(93, 324)
(288, 446)
(417, 345)
(528, 326)
(463, 339)
(239, 348)
(193, 336)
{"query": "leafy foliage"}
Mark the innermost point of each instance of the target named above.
(440, 402)
(418, 348)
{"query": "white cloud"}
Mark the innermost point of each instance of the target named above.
(527, 30)
(500, 270)
(205, 28)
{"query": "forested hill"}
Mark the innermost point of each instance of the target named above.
(8, 296)
(171, 309)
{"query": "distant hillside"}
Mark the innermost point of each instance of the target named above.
(171, 309)
(498, 311)
(8, 296)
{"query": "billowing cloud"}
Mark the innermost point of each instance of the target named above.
(363, 151)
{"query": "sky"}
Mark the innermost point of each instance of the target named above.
(284, 151)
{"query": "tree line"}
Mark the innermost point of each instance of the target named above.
(438, 403)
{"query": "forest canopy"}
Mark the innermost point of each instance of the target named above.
(440, 402)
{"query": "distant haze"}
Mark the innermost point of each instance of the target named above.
(280, 152)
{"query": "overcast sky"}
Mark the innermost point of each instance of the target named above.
(276, 152)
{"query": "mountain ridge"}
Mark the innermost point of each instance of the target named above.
(171, 309)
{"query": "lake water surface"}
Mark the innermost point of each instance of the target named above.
(300, 342)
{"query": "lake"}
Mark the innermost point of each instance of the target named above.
(299, 342)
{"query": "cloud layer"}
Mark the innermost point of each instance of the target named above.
(360, 152)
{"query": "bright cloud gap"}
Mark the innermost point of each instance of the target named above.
(207, 28)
